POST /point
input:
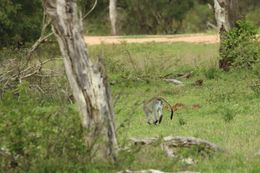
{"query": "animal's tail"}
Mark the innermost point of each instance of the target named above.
(172, 112)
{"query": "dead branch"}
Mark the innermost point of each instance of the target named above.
(45, 24)
(37, 44)
(185, 74)
(174, 81)
(93, 7)
(180, 141)
(43, 37)
(18, 72)
(211, 25)
(170, 143)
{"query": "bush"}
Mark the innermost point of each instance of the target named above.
(196, 20)
(211, 73)
(240, 48)
(36, 132)
(20, 21)
(253, 16)
(227, 112)
(153, 17)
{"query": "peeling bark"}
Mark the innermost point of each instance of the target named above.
(226, 13)
(87, 80)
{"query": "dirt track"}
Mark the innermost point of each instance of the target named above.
(191, 38)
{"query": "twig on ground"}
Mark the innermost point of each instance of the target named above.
(175, 81)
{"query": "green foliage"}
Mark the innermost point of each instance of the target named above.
(211, 72)
(33, 131)
(255, 86)
(227, 112)
(181, 121)
(20, 21)
(197, 19)
(43, 133)
(240, 47)
(152, 17)
(253, 16)
(159, 17)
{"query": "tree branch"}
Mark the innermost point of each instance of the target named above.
(93, 7)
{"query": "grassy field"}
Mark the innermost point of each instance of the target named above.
(229, 115)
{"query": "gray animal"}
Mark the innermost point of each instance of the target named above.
(154, 107)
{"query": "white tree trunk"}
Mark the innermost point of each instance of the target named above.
(87, 80)
(113, 15)
(226, 13)
(221, 16)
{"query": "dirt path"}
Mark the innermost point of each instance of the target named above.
(190, 38)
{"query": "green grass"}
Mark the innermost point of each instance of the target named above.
(229, 115)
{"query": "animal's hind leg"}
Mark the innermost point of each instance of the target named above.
(160, 119)
(148, 118)
(160, 115)
(155, 118)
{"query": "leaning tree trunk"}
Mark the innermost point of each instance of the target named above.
(87, 80)
(226, 14)
(112, 15)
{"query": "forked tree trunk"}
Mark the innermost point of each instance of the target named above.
(226, 14)
(87, 80)
(113, 15)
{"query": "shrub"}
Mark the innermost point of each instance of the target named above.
(20, 21)
(240, 48)
(182, 121)
(197, 19)
(211, 73)
(33, 132)
(227, 112)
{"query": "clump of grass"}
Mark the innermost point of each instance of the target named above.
(211, 73)
(227, 112)
(255, 87)
(182, 121)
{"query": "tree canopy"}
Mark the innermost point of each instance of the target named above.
(20, 21)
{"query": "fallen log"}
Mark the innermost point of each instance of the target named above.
(180, 141)
(170, 143)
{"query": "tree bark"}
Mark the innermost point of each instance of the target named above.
(169, 143)
(113, 15)
(226, 14)
(87, 80)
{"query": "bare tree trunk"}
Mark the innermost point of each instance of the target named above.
(113, 15)
(87, 80)
(226, 14)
